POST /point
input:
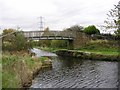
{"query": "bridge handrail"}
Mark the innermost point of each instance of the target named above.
(49, 33)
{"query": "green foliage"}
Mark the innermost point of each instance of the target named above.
(19, 42)
(91, 30)
(9, 36)
(42, 59)
(117, 33)
(59, 44)
(113, 22)
(7, 31)
(14, 41)
(9, 79)
(17, 69)
(101, 47)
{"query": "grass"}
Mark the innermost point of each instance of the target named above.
(9, 79)
(104, 47)
(43, 59)
(17, 68)
(49, 49)
(101, 47)
(104, 52)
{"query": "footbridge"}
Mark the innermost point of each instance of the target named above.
(50, 35)
(75, 38)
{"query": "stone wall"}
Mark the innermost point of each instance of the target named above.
(87, 55)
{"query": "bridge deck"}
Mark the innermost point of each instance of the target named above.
(49, 35)
(51, 38)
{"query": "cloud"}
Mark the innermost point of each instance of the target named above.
(58, 14)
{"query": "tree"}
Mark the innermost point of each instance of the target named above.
(75, 28)
(113, 20)
(8, 34)
(47, 32)
(91, 30)
(19, 42)
(14, 40)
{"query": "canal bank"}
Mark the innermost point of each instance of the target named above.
(19, 68)
(87, 55)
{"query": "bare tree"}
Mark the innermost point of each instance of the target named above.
(113, 20)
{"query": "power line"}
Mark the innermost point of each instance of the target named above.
(41, 23)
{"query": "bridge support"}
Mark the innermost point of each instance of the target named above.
(80, 40)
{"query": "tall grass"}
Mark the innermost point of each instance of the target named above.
(9, 79)
(101, 47)
(17, 69)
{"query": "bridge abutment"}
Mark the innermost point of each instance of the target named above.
(80, 40)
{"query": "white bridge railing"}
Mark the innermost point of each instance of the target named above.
(30, 34)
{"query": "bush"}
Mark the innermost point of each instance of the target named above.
(59, 44)
(14, 41)
(91, 30)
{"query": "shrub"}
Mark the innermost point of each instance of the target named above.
(91, 30)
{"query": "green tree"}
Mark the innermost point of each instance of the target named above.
(14, 40)
(91, 30)
(113, 20)
(8, 34)
(19, 42)
(75, 28)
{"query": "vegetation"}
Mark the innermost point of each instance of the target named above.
(113, 19)
(74, 28)
(14, 41)
(87, 55)
(19, 68)
(91, 30)
(101, 47)
(59, 44)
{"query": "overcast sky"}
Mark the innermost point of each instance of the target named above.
(57, 14)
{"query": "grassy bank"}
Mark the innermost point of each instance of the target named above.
(103, 47)
(95, 50)
(87, 55)
(18, 69)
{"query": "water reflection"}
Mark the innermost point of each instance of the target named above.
(40, 53)
(76, 73)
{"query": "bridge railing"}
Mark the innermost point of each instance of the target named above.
(49, 33)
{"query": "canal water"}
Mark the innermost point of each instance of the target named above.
(76, 73)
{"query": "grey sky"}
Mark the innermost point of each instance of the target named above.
(58, 14)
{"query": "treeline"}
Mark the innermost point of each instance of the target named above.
(17, 41)
(50, 43)
(14, 41)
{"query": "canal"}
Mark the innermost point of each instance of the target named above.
(76, 73)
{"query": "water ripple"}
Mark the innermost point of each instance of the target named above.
(73, 73)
